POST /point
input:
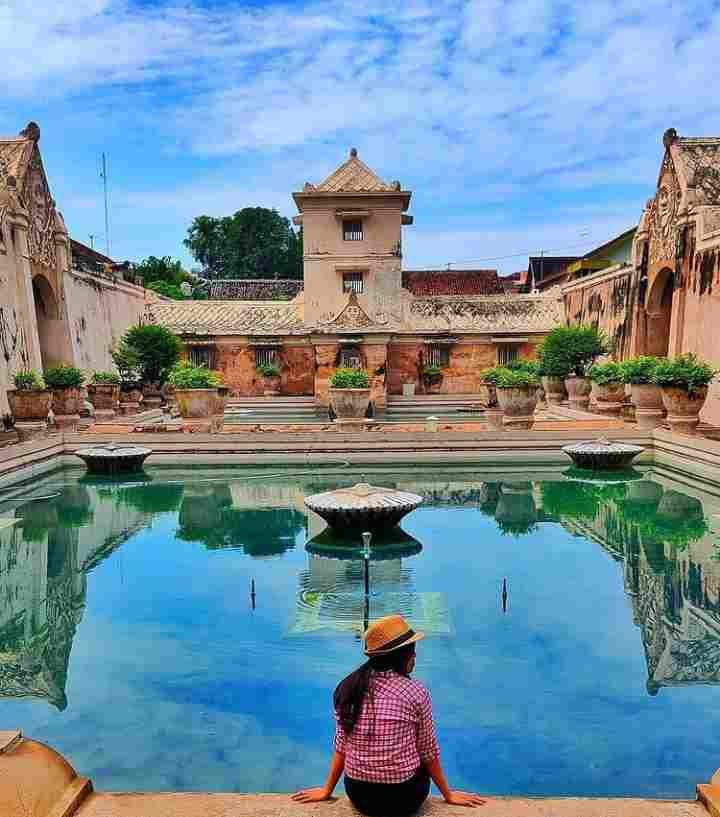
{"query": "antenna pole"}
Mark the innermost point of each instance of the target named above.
(105, 193)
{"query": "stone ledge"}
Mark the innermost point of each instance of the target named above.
(280, 805)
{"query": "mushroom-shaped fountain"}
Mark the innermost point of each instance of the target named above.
(602, 454)
(363, 507)
(112, 459)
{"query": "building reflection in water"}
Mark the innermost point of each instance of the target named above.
(331, 593)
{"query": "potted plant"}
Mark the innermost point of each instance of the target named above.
(517, 395)
(65, 382)
(607, 380)
(350, 393)
(195, 389)
(104, 394)
(30, 400)
(493, 412)
(432, 378)
(646, 396)
(270, 374)
(552, 374)
(569, 351)
(684, 382)
(158, 350)
(127, 362)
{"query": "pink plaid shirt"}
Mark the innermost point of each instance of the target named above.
(394, 734)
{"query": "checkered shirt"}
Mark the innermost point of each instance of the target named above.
(394, 734)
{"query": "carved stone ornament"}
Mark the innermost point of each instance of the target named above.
(352, 316)
(38, 202)
(663, 213)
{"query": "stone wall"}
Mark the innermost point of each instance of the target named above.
(98, 313)
(237, 362)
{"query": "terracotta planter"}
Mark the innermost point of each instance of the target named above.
(494, 419)
(196, 404)
(578, 389)
(350, 404)
(554, 389)
(152, 395)
(104, 398)
(66, 401)
(491, 398)
(433, 385)
(518, 405)
(646, 396)
(220, 403)
(648, 402)
(130, 398)
(609, 398)
(271, 386)
(683, 410)
(29, 405)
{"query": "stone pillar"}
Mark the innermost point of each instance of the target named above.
(376, 364)
(325, 357)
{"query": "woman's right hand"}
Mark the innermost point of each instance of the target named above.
(316, 795)
(462, 798)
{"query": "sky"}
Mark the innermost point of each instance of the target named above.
(520, 126)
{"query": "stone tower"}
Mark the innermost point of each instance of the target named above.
(352, 233)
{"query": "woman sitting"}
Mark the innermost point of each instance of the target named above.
(384, 735)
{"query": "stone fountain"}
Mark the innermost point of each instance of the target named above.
(363, 507)
(602, 454)
(111, 459)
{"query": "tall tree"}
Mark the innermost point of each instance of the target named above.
(163, 275)
(253, 243)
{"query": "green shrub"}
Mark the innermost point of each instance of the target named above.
(186, 376)
(267, 370)
(345, 378)
(522, 364)
(515, 378)
(640, 369)
(127, 361)
(489, 376)
(432, 372)
(28, 381)
(570, 350)
(63, 376)
(105, 378)
(157, 349)
(606, 373)
(684, 372)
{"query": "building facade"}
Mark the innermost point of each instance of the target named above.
(60, 302)
(666, 300)
(358, 307)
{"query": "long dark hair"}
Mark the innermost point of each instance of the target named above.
(351, 691)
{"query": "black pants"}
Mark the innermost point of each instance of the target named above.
(389, 799)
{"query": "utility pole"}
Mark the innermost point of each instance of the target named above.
(103, 176)
(92, 241)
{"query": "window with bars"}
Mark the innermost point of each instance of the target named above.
(266, 356)
(506, 352)
(351, 358)
(352, 230)
(438, 356)
(353, 282)
(202, 356)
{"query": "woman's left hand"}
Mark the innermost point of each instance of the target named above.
(316, 795)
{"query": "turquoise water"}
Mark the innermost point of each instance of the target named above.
(129, 639)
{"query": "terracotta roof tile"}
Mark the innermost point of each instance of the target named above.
(429, 283)
(354, 176)
(259, 289)
(228, 317)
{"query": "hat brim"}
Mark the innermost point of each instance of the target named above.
(417, 636)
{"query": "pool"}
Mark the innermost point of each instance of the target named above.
(131, 639)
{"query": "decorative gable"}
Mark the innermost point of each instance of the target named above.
(351, 316)
(662, 213)
(354, 176)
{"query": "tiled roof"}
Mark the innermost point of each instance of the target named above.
(509, 313)
(283, 289)
(429, 283)
(228, 317)
(354, 176)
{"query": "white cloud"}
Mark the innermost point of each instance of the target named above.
(464, 100)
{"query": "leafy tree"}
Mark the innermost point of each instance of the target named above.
(168, 290)
(161, 269)
(253, 243)
(157, 350)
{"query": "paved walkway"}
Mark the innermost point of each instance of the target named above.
(274, 805)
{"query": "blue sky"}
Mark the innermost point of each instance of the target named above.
(518, 125)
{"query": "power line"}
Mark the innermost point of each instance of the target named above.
(515, 255)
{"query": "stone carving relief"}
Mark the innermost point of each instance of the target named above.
(352, 316)
(709, 222)
(490, 314)
(703, 163)
(662, 214)
(39, 204)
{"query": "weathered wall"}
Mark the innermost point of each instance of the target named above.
(99, 311)
(236, 361)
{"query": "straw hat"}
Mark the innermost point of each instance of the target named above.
(389, 633)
